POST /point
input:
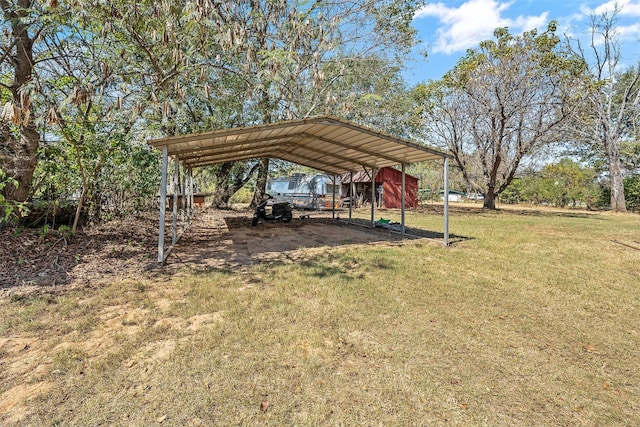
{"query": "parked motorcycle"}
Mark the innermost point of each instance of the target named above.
(281, 211)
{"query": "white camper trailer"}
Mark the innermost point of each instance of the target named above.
(306, 191)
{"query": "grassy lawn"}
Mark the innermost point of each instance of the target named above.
(532, 319)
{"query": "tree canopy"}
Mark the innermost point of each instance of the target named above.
(84, 84)
(81, 83)
(500, 104)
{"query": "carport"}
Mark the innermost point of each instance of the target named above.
(327, 143)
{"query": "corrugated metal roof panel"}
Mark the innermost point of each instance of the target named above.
(325, 143)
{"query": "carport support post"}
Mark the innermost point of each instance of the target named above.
(191, 199)
(333, 203)
(446, 201)
(176, 178)
(403, 200)
(351, 198)
(373, 198)
(163, 203)
(183, 198)
(188, 194)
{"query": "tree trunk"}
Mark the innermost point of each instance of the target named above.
(18, 151)
(616, 184)
(490, 195)
(228, 180)
(222, 181)
(261, 182)
(76, 218)
(221, 198)
(489, 201)
(618, 202)
(18, 159)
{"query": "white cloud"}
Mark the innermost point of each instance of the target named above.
(629, 32)
(527, 23)
(465, 26)
(627, 8)
(627, 28)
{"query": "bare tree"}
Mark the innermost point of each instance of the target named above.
(611, 100)
(500, 104)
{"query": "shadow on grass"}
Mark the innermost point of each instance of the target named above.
(466, 209)
(412, 232)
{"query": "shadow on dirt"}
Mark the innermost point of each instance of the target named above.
(32, 258)
(38, 259)
(226, 241)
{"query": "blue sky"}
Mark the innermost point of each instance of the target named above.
(447, 28)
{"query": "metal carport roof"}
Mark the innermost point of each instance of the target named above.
(325, 143)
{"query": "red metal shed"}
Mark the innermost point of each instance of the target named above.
(391, 180)
(387, 179)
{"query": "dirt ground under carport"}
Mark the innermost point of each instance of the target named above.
(226, 239)
(35, 260)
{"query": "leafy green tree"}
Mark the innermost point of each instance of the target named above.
(560, 184)
(9, 209)
(632, 192)
(515, 192)
(83, 92)
(106, 76)
(566, 182)
(209, 65)
(293, 55)
(501, 104)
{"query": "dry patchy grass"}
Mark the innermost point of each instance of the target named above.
(532, 320)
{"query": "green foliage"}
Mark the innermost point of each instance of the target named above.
(632, 192)
(565, 183)
(56, 177)
(114, 74)
(10, 210)
(630, 152)
(65, 230)
(128, 182)
(515, 192)
(243, 195)
(44, 232)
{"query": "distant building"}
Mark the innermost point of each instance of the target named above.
(454, 196)
(388, 185)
